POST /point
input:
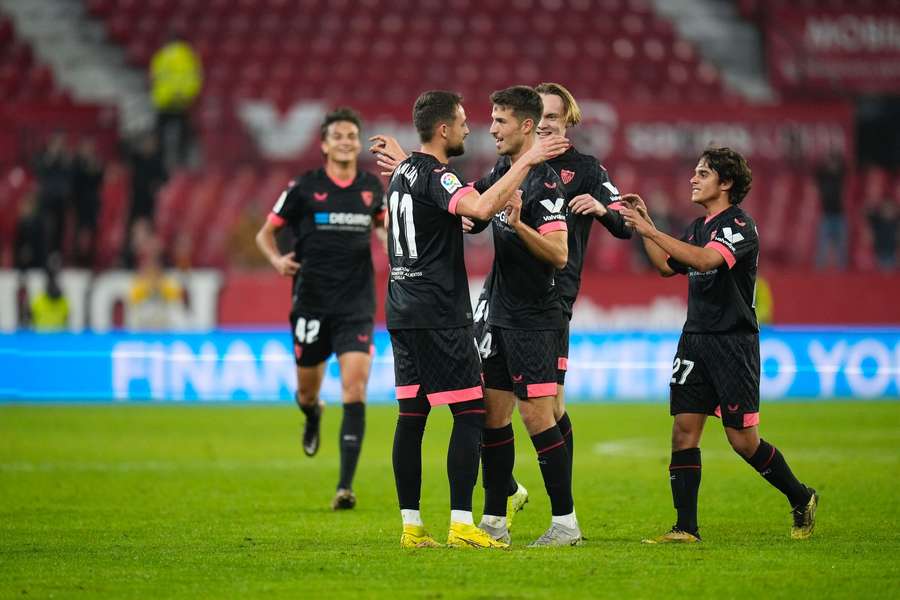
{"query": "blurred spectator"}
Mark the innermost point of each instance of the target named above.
(829, 178)
(29, 248)
(182, 251)
(53, 167)
(176, 77)
(147, 176)
(50, 308)
(884, 224)
(155, 300)
(86, 180)
(138, 233)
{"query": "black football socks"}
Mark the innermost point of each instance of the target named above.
(407, 454)
(684, 477)
(464, 452)
(498, 455)
(770, 463)
(553, 458)
(353, 428)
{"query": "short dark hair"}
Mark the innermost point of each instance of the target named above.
(730, 166)
(340, 114)
(523, 100)
(433, 108)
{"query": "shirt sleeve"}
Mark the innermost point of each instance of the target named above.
(378, 205)
(547, 205)
(288, 206)
(446, 189)
(608, 195)
(735, 241)
(675, 265)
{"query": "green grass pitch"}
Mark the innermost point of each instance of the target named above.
(218, 502)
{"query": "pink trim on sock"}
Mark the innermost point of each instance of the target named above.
(771, 456)
(551, 447)
(275, 220)
(501, 443)
(539, 390)
(403, 414)
(405, 392)
(454, 396)
(724, 251)
(671, 467)
(471, 411)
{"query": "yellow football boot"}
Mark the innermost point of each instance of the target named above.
(674, 536)
(415, 536)
(463, 535)
(805, 518)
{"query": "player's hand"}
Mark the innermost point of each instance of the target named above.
(513, 209)
(641, 225)
(286, 265)
(388, 152)
(467, 224)
(545, 149)
(637, 203)
(585, 204)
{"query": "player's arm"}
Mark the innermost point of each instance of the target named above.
(484, 206)
(702, 259)
(550, 246)
(265, 241)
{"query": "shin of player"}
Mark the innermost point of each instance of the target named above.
(429, 314)
(717, 367)
(527, 324)
(330, 213)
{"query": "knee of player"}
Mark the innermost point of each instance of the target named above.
(741, 442)
(353, 391)
(307, 397)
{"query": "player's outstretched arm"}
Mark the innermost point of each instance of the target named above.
(265, 241)
(701, 259)
(484, 206)
(587, 204)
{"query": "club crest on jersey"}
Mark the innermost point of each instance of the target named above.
(320, 196)
(552, 206)
(367, 197)
(450, 182)
(567, 176)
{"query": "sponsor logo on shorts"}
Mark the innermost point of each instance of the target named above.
(733, 407)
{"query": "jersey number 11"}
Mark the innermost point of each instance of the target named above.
(403, 207)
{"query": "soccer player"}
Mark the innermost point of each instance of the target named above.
(527, 324)
(331, 212)
(716, 367)
(590, 195)
(429, 313)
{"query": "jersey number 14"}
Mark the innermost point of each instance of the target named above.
(402, 207)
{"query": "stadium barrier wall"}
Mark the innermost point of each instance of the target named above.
(257, 365)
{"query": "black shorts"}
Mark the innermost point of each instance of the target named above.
(717, 375)
(525, 362)
(440, 364)
(316, 337)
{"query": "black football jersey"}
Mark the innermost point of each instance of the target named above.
(331, 223)
(722, 300)
(583, 174)
(524, 294)
(428, 287)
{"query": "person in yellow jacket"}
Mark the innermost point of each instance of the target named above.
(50, 308)
(176, 76)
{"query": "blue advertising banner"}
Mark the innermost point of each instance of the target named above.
(259, 366)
